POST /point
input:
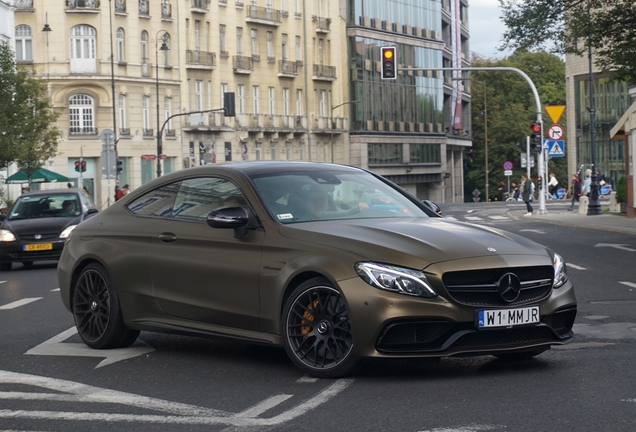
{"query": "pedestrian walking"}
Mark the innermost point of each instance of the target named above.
(575, 189)
(600, 178)
(527, 192)
(552, 184)
(503, 190)
(585, 189)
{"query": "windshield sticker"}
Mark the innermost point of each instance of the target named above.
(285, 216)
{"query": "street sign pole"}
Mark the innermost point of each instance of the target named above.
(529, 156)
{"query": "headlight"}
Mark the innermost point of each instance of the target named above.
(395, 279)
(67, 231)
(560, 275)
(6, 236)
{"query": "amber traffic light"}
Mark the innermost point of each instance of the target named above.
(389, 64)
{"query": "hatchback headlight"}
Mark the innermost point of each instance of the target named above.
(6, 236)
(396, 279)
(560, 275)
(67, 231)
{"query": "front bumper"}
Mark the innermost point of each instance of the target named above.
(15, 251)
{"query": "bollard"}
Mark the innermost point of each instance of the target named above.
(583, 203)
(614, 207)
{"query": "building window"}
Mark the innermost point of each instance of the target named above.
(167, 109)
(241, 98)
(81, 115)
(222, 39)
(270, 48)
(273, 152)
(83, 49)
(286, 101)
(255, 96)
(288, 152)
(322, 103)
(145, 113)
(144, 53)
(166, 53)
(284, 46)
(239, 41)
(223, 91)
(385, 154)
(197, 37)
(299, 102)
(23, 43)
(120, 45)
(122, 111)
(298, 51)
(283, 5)
(253, 34)
(271, 101)
(301, 151)
(198, 95)
(257, 152)
(425, 153)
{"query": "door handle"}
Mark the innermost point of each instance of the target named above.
(167, 237)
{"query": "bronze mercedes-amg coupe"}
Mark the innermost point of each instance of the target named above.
(333, 263)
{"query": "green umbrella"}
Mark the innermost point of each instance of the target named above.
(39, 176)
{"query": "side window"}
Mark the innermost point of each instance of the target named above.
(199, 196)
(157, 203)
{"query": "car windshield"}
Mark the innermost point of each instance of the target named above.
(331, 195)
(43, 206)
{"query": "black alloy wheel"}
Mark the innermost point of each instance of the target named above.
(317, 331)
(96, 310)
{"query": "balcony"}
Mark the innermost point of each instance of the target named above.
(82, 6)
(287, 69)
(120, 7)
(144, 8)
(322, 24)
(200, 59)
(331, 125)
(148, 132)
(200, 6)
(78, 131)
(24, 5)
(124, 131)
(243, 64)
(218, 120)
(222, 2)
(261, 15)
(166, 11)
(324, 73)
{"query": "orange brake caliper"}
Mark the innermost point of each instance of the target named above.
(309, 317)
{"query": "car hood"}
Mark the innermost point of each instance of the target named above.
(38, 225)
(421, 241)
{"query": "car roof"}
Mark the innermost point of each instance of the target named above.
(273, 167)
(51, 192)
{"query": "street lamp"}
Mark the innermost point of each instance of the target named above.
(332, 125)
(594, 205)
(164, 47)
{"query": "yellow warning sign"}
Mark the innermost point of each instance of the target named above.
(555, 112)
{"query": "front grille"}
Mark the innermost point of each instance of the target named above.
(407, 334)
(479, 287)
(44, 237)
(505, 337)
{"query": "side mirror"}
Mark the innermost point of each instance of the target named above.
(430, 204)
(230, 217)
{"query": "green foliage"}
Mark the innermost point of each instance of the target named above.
(510, 112)
(28, 134)
(571, 26)
(621, 190)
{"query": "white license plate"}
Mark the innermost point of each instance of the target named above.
(508, 317)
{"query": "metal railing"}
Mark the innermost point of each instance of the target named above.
(322, 24)
(144, 7)
(124, 131)
(23, 4)
(166, 10)
(201, 58)
(201, 4)
(324, 71)
(243, 63)
(171, 133)
(287, 67)
(82, 131)
(120, 7)
(265, 14)
(149, 132)
(82, 4)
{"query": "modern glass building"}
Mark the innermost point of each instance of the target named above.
(414, 129)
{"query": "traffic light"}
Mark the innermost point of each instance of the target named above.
(540, 182)
(389, 63)
(77, 165)
(120, 165)
(83, 166)
(536, 138)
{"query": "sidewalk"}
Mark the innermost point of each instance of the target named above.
(605, 221)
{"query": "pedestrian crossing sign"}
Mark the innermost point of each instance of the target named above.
(556, 148)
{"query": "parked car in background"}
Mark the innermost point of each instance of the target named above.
(38, 223)
(294, 255)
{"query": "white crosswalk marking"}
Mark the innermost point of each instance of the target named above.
(473, 218)
(575, 267)
(629, 284)
(19, 303)
(499, 217)
(451, 218)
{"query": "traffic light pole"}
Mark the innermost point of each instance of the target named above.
(539, 110)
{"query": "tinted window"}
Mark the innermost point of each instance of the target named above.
(42, 206)
(198, 197)
(157, 202)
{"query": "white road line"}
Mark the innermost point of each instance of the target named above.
(451, 218)
(69, 391)
(499, 217)
(263, 406)
(1, 282)
(628, 400)
(56, 289)
(473, 218)
(575, 267)
(630, 284)
(19, 303)
(472, 428)
(306, 379)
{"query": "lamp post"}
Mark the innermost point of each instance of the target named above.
(594, 205)
(164, 47)
(332, 125)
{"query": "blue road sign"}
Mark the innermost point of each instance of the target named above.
(556, 148)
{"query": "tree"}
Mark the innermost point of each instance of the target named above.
(511, 110)
(570, 26)
(29, 135)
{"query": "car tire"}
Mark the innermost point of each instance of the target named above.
(96, 310)
(316, 330)
(525, 355)
(6, 266)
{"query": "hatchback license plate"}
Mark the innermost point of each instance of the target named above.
(508, 317)
(38, 247)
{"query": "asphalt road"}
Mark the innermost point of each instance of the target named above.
(175, 383)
